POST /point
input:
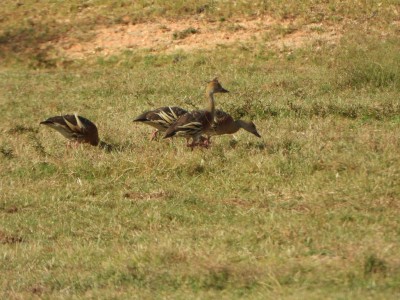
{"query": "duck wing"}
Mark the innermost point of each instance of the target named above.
(190, 124)
(221, 118)
(162, 117)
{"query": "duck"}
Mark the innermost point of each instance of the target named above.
(225, 124)
(160, 118)
(76, 129)
(193, 124)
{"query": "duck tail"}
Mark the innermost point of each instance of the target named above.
(46, 122)
(141, 118)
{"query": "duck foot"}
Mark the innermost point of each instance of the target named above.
(205, 142)
(72, 144)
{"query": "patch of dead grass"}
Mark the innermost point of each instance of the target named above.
(156, 195)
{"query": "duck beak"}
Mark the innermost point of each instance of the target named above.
(257, 134)
(224, 91)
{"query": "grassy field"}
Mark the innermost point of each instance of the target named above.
(310, 211)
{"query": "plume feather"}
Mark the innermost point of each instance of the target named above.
(71, 126)
(79, 122)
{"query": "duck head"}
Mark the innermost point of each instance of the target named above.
(249, 126)
(214, 86)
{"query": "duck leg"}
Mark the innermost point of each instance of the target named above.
(188, 144)
(195, 142)
(154, 135)
(208, 141)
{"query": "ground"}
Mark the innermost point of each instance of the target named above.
(310, 210)
(192, 34)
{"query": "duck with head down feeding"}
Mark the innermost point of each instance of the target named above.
(76, 129)
(225, 124)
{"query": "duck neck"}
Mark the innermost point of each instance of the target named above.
(95, 140)
(245, 125)
(211, 105)
(237, 125)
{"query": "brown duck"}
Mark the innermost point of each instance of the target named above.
(160, 118)
(225, 124)
(193, 124)
(77, 129)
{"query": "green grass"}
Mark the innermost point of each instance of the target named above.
(309, 211)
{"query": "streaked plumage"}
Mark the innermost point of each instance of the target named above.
(161, 118)
(193, 124)
(76, 128)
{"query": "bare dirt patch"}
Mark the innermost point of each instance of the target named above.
(156, 195)
(11, 209)
(193, 34)
(9, 239)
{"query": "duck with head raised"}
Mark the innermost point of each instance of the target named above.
(195, 123)
(77, 129)
(160, 118)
